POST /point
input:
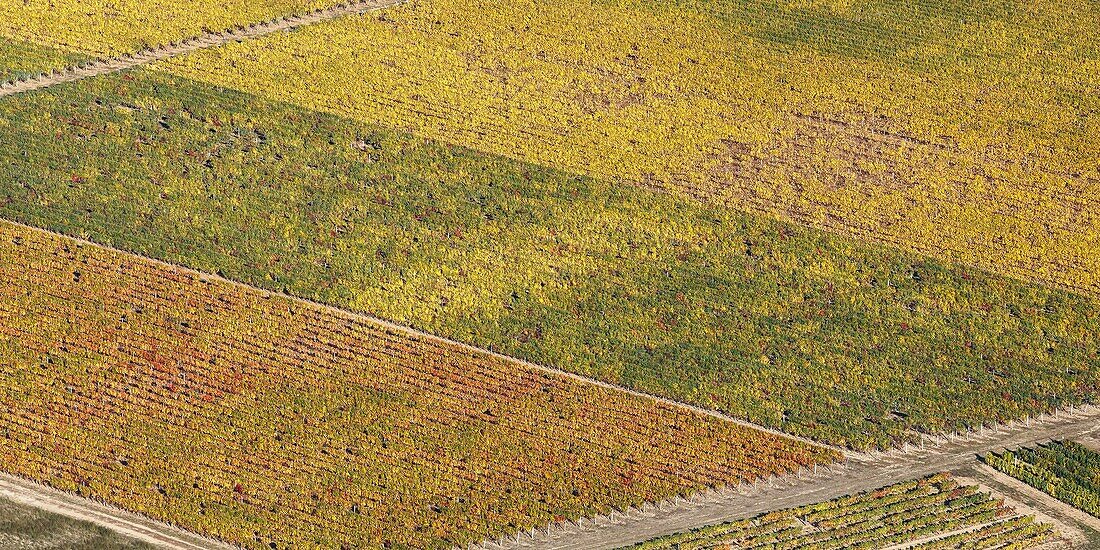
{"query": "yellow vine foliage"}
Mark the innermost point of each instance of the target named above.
(108, 28)
(264, 421)
(968, 136)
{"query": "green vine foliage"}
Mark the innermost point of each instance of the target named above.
(825, 336)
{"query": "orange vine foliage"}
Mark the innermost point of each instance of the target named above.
(263, 420)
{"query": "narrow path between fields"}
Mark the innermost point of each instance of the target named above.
(856, 475)
(106, 66)
(133, 525)
(1036, 499)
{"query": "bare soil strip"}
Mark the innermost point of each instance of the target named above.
(981, 475)
(1048, 503)
(126, 523)
(1091, 442)
(209, 40)
(861, 474)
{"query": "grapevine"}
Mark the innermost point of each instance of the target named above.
(262, 420)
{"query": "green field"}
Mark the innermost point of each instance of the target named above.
(821, 335)
(19, 60)
(1065, 470)
(25, 528)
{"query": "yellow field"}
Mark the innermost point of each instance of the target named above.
(107, 28)
(968, 133)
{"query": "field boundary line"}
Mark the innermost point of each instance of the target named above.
(1050, 501)
(131, 524)
(387, 325)
(202, 41)
(748, 500)
(940, 536)
(469, 348)
(1069, 536)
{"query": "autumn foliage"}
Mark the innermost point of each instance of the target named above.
(259, 419)
(932, 513)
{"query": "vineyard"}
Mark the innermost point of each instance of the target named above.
(102, 28)
(433, 273)
(966, 131)
(817, 334)
(263, 421)
(1065, 470)
(20, 60)
(931, 513)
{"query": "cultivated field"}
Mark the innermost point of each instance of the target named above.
(962, 130)
(436, 255)
(262, 420)
(854, 343)
(1065, 470)
(931, 513)
(24, 60)
(99, 28)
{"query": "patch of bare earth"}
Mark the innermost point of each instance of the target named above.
(834, 173)
(1080, 529)
(1070, 533)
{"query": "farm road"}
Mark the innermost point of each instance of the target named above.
(126, 523)
(860, 474)
(1067, 519)
(209, 40)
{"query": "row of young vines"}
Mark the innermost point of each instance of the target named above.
(935, 512)
(1066, 470)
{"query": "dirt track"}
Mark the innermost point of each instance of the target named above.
(1036, 500)
(133, 525)
(144, 57)
(858, 475)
